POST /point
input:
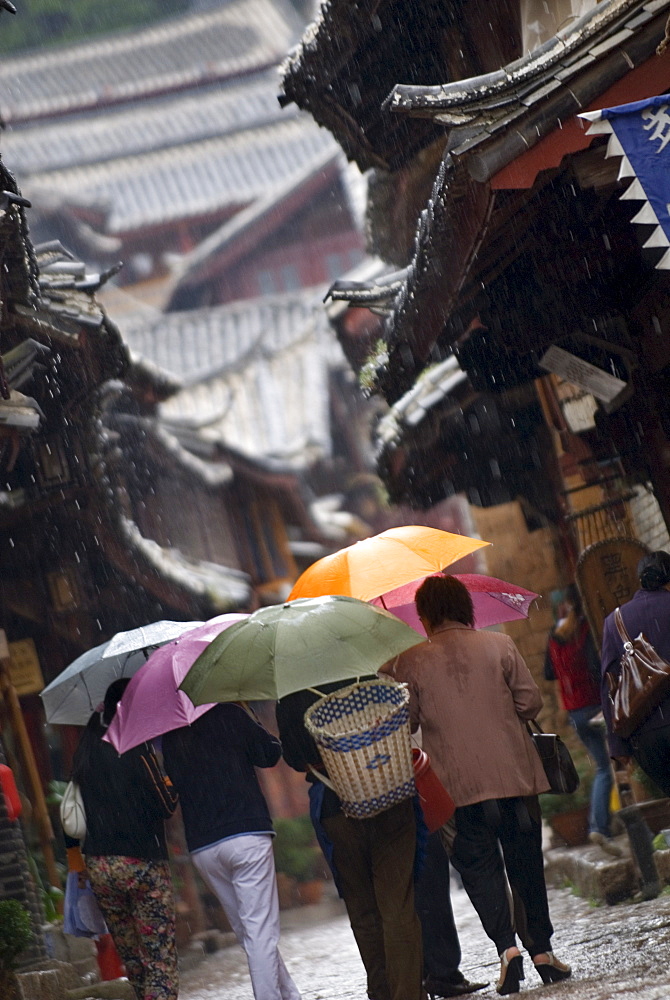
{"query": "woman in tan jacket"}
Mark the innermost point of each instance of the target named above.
(471, 693)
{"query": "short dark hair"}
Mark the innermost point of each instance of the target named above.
(441, 598)
(654, 570)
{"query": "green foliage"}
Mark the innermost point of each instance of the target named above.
(56, 792)
(51, 895)
(367, 376)
(660, 843)
(296, 851)
(15, 932)
(42, 23)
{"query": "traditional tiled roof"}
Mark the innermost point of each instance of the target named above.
(18, 364)
(237, 37)
(218, 589)
(64, 305)
(526, 99)
(20, 412)
(241, 233)
(433, 386)
(106, 134)
(198, 344)
(493, 119)
(444, 437)
(193, 585)
(255, 374)
(194, 179)
(348, 60)
(19, 278)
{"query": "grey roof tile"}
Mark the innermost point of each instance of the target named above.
(611, 42)
(193, 179)
(239, 36)
(255, 374)
(200, 343)
(110, 133)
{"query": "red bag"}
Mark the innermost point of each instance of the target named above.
(10, 791)
(436, 802)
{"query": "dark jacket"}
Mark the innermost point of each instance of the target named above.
(127, 800)
(211, 763)
(648, 611)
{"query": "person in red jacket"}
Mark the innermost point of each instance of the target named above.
(573, 661)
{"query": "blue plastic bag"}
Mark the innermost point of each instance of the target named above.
(81, 913)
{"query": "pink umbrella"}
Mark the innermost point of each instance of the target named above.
(152, 704)
(494, 600)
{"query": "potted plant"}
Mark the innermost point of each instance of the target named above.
(15, 936)
(568, 815)
(298, 861)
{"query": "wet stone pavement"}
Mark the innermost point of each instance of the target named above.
(616, 952)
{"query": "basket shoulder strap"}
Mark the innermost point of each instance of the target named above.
(321, 777)
(621, 628)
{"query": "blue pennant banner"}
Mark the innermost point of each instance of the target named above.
(640, 135)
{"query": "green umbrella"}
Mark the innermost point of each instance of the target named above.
(302, 644)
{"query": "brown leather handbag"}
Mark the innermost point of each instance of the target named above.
(641, 685)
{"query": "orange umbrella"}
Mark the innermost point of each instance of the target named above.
(383, 562)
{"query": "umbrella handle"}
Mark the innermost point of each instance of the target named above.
(248, 709)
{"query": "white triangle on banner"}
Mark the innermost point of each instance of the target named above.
(664, 262)
(657, 239)
(601, 127)
(591, 116)
(614, 147)
(625, 169)
(646, 216)
(634, 193)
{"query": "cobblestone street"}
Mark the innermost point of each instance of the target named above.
(616, 952)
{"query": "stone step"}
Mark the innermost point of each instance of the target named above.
(598, 876)
(113, 989)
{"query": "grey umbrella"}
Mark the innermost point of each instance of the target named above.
(71, 697)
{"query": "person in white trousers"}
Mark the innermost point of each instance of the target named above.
(241, 872)
(229, 831)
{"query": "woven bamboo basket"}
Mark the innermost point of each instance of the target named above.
(363, 735)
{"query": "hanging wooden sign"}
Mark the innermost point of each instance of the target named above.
(25, 671)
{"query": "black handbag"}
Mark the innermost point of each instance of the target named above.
(556, 760)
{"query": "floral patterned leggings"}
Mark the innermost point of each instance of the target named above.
(137, 902)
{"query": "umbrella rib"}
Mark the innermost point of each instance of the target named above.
(88, 693)
(64, 698)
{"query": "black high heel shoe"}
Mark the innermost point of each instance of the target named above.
(511, 974)
(554, 970)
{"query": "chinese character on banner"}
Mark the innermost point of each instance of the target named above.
(640, 135)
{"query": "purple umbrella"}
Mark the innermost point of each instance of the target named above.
(152, 704)
(494, 601)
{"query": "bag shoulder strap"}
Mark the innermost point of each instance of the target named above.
(621, 628)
